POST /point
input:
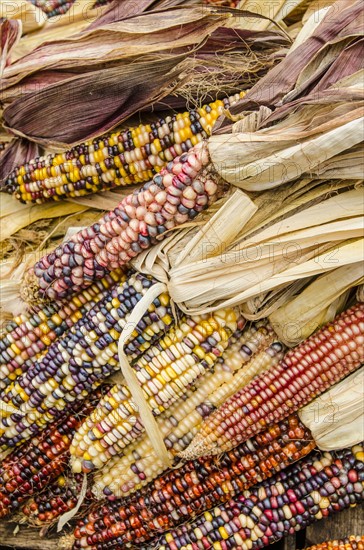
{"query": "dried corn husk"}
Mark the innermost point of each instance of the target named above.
(164, 43)
(336, 418)
(316, 305)
(10, 33)
(307, 63)
(316, 239)
(260, 160)
(31, 17)
(15, 216)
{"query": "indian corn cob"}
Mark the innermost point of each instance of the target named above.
(121, 158)
(82, 358)
(349, 543)
(29, 468)
(249, 352)
(312, 489)
(56, 499)
(164, 372)
(30, 334)
(305, 372)
(174, 196)
(181, 494)
(57, 7)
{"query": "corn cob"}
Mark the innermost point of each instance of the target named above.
(181, 494)
(53, 7)
(33, 465)
(81, 359)
(139, 465)
(56, 499)
(122, 158)
(305, 372)
(164, 372)
(27, 336)
(349, 543)
(310, 490)
(174, 196)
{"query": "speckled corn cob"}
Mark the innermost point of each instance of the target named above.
(53, 7)
(57, 498)
(30, 334)
(244, 357)
(349, 543)
(118, 159)
(175, 196)
(181, 494)
(310, 490)
(81, 359)
(305, 372)
(164, 372)
(29, 468)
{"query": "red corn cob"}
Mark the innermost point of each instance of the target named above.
(181, 494)
(314, 488)
(40, 460)
(349, 543)
(177, 194)
(305, 372)
(61, 496)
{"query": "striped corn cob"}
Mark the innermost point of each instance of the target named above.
(122, 158)
(29, 468)
(184, 354)
(181, 494)
(244, 357)
(81, 359)
(56, 499)
(27, 336)
(310, 490)
(174, 196)
(349, 543)
(305, 372)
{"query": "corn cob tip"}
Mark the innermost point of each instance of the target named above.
(29, 289)
(66, 542)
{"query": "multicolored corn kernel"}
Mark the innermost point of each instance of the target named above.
(32, 466)
(312, 489)
(29, 335)
(348, 543)
(53, 7)
(121, 158)
(57, 498)
(305, 372)
(79, 361)
(164, 372)
(173, 197)
(181, 494)
(244, 357)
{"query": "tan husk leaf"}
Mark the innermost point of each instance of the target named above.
(299, 317)
(336, 418)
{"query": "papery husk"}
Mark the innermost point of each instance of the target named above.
(336, 418)
(19, 151)
(57, 28)
(312, 240)
(341, 24)
(316, 305)
(57, 76)
(153, 43)
(298, 145)
(10, 33)
(31, 17)
(15, 216)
